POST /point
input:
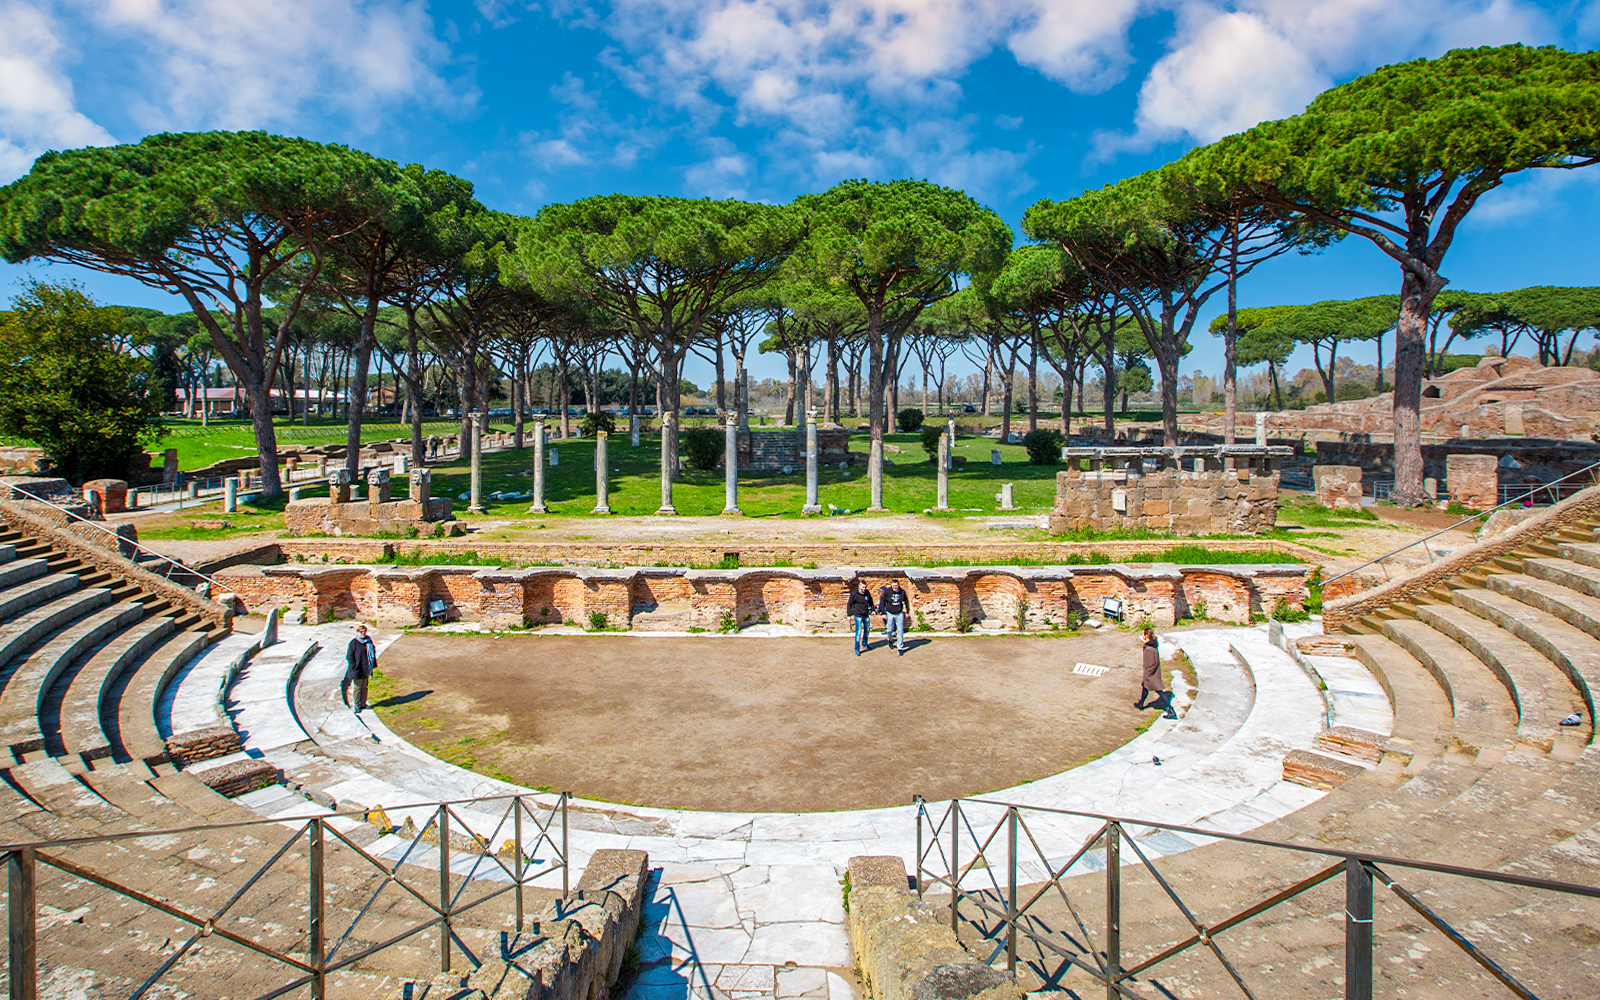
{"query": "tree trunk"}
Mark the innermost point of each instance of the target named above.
(1415, 299)
(260, 401)
(788, 403)
(1230, 342)
(357, 406)
(1033, 380)
(722, 387)
(830, 392)
(875, 401)
(519, 394)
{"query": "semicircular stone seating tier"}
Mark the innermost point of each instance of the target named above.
(124, 713)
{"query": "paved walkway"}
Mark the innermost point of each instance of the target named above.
(750, 904)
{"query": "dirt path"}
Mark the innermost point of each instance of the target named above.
(758, 724)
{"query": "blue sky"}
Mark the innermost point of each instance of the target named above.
(1012, 100)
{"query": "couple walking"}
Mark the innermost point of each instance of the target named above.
(892, 604)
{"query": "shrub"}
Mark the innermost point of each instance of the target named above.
(598, 420)
(1044, 446)
(727, 623)
(1283, 611)
(964, 621)
(930, 440)
(702, 447)
(1313, 602)
(1022, 615)
(910, 419)
(598, 621)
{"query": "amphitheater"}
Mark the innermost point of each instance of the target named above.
(190, 811)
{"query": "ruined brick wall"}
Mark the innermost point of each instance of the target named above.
(1056, 596)
(1182, 502)
(320, 516)
(1474, 480)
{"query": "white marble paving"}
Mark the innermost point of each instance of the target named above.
(751, 904)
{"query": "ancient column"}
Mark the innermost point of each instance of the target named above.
(730, 467)
(944, 473)
(602, 481)
(633, 429)
(667, 420)
(875, 471)
(950, 456)
(812, 506)
(475, 506)
(1261, 429)
(230, 495)
(538, 470)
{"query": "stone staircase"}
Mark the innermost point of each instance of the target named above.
(90, 646)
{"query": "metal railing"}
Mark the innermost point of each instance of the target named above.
(1423, 541)
(1019, 871)
(308, 951)
(172, 564)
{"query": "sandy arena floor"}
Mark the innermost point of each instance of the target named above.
(751, 723)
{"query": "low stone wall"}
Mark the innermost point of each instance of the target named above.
(322, 516)
(1336, 614)
(64, 540)
(672, 599)
(1198, 490)
(904, 949)
(574, 949)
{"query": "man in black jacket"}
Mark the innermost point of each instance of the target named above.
(360, 659)
(892, 605)
(859, 608)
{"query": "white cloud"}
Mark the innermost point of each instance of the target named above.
(37, 109)
(1228, 69)
(1533, 194)
(225, 64)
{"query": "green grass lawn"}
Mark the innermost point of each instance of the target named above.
(910, 485)
(199, 446)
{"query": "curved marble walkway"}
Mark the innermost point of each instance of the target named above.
(741, 895)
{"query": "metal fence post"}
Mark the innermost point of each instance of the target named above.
(1011, 890)
(918, 803)
(23, 910)
(955, 867)
(315, 945)
(566, 864)
(1357, 930)
(517, 864)
(1113, 910)
(444, 888)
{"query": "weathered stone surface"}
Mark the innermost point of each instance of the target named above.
(902, 948)
(239, 777)
(203, 744)
(1317, 771)
(1351, 742)
(1473, 480)
(329, 516)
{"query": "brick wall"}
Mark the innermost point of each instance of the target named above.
(811, 599)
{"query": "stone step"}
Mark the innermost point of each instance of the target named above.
(193, 698)
(1542, 695)
(128, 711)
(34, 590)
(1572, 575)
(22, 632)
(1422, 713)
(135, 795)
(258, 702)
(75, 706)
(1485, 719)
(60, 792)
(1584, 553)
(22, 700)
(14, 572)
(1565, 603)
(1575, 652)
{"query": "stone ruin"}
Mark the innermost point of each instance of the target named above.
(1191, 490)
(337, 514)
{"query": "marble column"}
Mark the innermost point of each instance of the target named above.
(539, 506)
(602, 478)
(944, 473)
(730, 466)
(812, 505)
(475, 506)
(668, 420)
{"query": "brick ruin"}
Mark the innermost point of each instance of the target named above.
(1190, 491)
(677, 599)
(418, 515)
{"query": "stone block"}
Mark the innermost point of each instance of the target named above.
(202, 744)
(113, 494)
(239, 777)
(1315, 770)
(1473, 480)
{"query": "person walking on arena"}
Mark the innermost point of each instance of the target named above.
(1152, 683)
(859, 608)
(892, 605)
(360, 659)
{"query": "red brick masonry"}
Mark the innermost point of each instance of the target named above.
(809, 598)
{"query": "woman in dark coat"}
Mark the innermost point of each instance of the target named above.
(1152, 683)
(360, 660)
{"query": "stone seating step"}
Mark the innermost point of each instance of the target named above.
(1541, 694)
(22, 632)
(258, 702)
(29, 682)
(1422, 714)
(193, 697)
(133, 794)
(128, 711)
(15, 572)
(1575, 652)
(1569, 605)
(1585, 553)
(34, 591)
(60, 792)
(1485, 719)
(1568, 573)
(71, 715)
